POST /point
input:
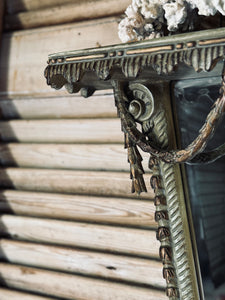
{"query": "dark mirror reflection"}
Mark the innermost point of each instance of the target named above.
(206, 183)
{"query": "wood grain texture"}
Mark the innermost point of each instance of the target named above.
(65, 13)
(62, 131)
(65, 286)
(2, 5)
(67, 156)
(100, 105)
(122, 240)
(122, 268)
(24, 53)
(70, 182)
(117, 211)
(8, 294)
(14, 6)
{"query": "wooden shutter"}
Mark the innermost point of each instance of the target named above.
(70, 227)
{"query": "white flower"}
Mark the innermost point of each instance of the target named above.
(175, 14)
(150, 9)
(126, 31)
(205, 7)
(135, 19)
(219, 5)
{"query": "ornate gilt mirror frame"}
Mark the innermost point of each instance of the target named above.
(140, 75)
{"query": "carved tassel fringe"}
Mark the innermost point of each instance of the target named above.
(136, 169)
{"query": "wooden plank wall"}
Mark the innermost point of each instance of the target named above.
(2, 7)
(70, 227)
(30, 14)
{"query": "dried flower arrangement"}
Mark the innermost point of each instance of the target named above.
(147, 19)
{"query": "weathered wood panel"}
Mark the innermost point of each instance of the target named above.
(65, 13)
(90, 236)
(1, 18)
(2, 6)
(73, 287)
(7, 294)
(24, 53)
(14, 6)
(68, 156)
(70, 182)
(79, 208)
(135, 270)
(62, 131)
(100, 105)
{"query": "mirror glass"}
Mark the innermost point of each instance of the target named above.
(206, 183)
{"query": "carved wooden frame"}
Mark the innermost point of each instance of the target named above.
(140, 74)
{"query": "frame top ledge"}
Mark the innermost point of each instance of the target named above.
(173, 57)
(198, 38)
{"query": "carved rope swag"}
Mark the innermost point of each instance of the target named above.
(190, 154)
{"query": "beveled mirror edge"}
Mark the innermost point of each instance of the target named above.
(192, 232)
(186, 199)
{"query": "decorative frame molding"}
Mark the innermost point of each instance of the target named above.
(176, 250)
(199, 50)
(133, 70)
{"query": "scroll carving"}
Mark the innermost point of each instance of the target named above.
(174, 156)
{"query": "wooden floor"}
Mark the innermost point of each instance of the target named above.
(70, 227)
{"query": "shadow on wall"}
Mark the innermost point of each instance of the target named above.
(5, 181)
